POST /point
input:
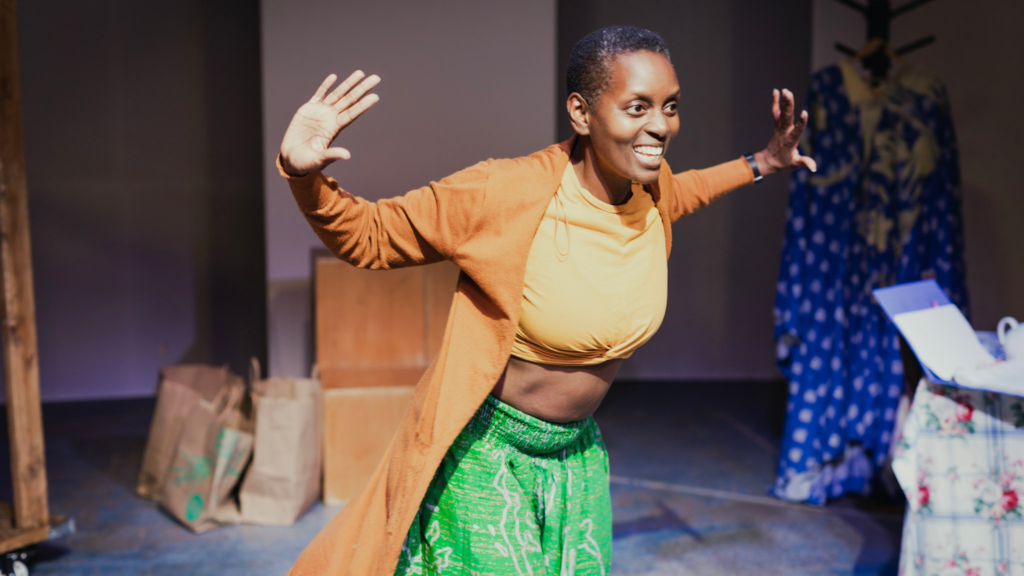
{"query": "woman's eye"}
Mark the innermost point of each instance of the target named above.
(636, 108)
(671, 108)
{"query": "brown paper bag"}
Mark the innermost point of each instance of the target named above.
(285, 476)
(215, 445)
(179, 389)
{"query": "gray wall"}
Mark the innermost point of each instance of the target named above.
(728, 55)
(977, 54)
(462, 81)
(142, 129)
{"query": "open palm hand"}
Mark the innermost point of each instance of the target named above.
(782, 152)
(306, 146)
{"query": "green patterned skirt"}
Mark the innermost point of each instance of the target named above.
(515, 495)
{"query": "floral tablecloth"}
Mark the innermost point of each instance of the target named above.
(960, 461)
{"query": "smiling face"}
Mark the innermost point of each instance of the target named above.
(634, 118)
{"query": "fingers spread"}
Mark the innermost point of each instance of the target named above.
(786, 118)
(350, 114)
(356, 94)
(792, 135)
(800, 124)
(344, 87)
(319, 95)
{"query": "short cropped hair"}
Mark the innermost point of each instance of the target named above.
(589, 70)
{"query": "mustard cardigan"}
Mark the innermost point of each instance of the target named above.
(483, 219)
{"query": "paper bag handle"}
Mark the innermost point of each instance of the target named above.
(222, 406)
(255, 373)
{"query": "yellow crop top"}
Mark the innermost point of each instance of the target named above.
(596, 279)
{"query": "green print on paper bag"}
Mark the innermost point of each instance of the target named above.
(226, 450)
(194, 508)
(195, 469)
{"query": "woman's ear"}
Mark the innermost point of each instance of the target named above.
(578, 113)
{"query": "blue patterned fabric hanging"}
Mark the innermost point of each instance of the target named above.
(883, 208)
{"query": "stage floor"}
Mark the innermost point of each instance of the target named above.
(691, 463)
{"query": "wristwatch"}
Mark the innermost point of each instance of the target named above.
(753, 166)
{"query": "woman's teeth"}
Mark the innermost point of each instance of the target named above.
(649, 152)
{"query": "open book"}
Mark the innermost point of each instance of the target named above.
(944, 341)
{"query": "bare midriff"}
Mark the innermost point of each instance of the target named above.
(555, 393)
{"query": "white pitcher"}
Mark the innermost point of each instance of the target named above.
(1011, 336)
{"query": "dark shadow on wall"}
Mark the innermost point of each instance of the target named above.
(769, 51)
(236, 260)
(576, 19)
(228, 233)
(229, 260)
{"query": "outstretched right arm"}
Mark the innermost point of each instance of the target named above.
(423, 226)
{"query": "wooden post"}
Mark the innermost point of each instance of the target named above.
(21, 365)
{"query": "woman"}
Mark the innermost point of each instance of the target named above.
(498, 467)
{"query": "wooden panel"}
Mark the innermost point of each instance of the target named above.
(368, 317)
(379, 327)
(441, 279)
(359, 424)
(21, 366)
(376, 333)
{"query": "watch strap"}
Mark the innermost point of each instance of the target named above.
(753, 167)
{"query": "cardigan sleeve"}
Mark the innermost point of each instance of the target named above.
(695, 189)
(423, 226)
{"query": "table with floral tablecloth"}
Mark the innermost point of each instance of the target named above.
(960, 461)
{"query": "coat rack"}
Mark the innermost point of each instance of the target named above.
(879, 14)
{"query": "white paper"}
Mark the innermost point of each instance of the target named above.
(943, 340)
(1006, 377)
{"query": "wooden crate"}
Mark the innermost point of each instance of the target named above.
(358, 426)
(376, 333)
(378, 327)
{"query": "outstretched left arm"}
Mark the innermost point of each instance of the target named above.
(695, 189)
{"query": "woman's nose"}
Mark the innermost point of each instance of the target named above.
(658, 125)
